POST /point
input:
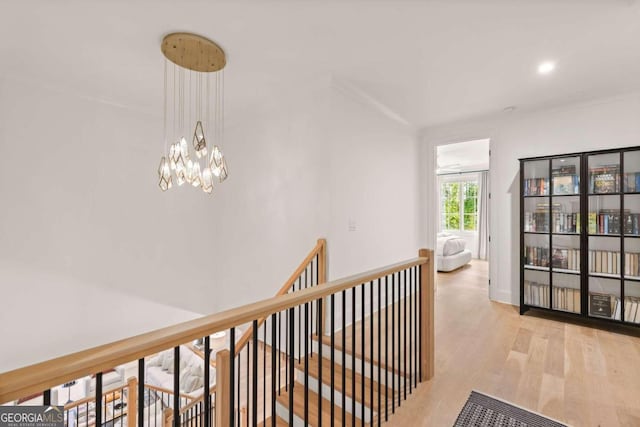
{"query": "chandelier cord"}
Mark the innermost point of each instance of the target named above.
(222, 107)
(175, 104)
(164, 107)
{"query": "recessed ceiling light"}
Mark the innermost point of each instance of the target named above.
(546, 67)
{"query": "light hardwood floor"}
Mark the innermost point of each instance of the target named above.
(576, 374)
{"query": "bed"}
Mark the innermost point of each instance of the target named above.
(451, 252)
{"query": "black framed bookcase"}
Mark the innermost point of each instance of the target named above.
(580, 235)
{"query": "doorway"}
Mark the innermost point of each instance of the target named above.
(462, 212)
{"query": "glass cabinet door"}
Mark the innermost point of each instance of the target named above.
(536, 178)
(537, 254)
(536, 288)
(604, 298)
(566, 292)
(631, 301)
(604, 173)
(604, 215)
(565, 176)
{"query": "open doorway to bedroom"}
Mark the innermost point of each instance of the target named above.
(462, 188)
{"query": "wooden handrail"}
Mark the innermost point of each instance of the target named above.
(90, 399)
(317, 250)
(167, 391)
(42, 376)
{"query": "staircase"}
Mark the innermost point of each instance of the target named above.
(357, 398)
(343, 353)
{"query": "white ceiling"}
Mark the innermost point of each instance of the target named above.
(426, 62)
(463, 156)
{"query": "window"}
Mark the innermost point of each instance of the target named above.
(459, 205)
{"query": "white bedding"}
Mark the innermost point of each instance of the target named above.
(448, 244)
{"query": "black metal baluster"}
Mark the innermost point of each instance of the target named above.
(239, 386)
(416, 337)
(273, 369)
(393, 343)
(141, 392)
(420, 321)
(290, 357)
(386, 348)
(248, 379)
(306, 365)
(404, 333)
(46, 398)
(318, 313)
(98, 399)
(176, 387)
(254, 371)
(344, 357)
(232, 369)
(362, 351)
(279, 333)
(264, 371)
(353, 356)
(379, 348)
(320, 326)
(287, 350)
(370, 352)
(410, 334)
(207, 380)
(300, 319)
(312, 284)
(333, 365)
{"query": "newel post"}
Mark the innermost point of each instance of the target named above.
(223, 387)
(132, 402)
(427, 304)
(167, 414)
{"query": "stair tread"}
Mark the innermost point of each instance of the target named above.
(326, 339)
(279, 422)
(298, 407)
(326, 379)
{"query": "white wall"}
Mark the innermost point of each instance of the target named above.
(45, 315)
(373, 185)
(374, 191)
(80, 205)
(605, 123)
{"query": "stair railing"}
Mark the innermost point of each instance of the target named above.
(385, 323)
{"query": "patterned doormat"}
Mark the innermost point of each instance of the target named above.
(485, 411)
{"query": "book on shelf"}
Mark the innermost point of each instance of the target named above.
(566, 258)
(536, 186)
(631, 223)
(566, 222)
(604, 179)
(605, 221)
(565, 180)
(536, 293)
(605, 262)
(632, 309)
(605, 305)
(632, 264)
(631, 182)
(566, 299)
(538, 220)
(537, 256)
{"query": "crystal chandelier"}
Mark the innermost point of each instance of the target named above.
(194, 106)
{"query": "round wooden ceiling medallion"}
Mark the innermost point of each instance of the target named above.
(193, 52)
